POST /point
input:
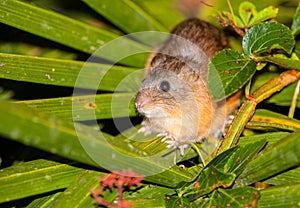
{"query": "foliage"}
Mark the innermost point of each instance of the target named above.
(261, 145)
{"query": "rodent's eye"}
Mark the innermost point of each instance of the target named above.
(164, 86)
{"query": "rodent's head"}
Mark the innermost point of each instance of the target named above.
(164, 92)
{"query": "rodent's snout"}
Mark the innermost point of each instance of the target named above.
(140, 101)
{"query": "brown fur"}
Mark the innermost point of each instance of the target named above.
(186, 112)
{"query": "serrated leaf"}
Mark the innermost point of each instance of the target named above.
(246, 10)
(266, 36)
(281, 156)
(296, 22)
(269, 119)
(209, 179)
(280, 196)
(239, 197)
(228, 72)
(263, 15)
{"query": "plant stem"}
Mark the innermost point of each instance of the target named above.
(294, 101)
(246, 111)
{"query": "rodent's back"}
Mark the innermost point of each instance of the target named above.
(203, 34)
(194, 33)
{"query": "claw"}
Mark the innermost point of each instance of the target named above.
(172, 143)
(162, 134)
(182, 148)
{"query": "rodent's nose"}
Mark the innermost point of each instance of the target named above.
(140, 101)
(139, 104)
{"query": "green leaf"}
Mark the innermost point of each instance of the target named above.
(236, 20)
(267, 36)
(78, 194)
(36, 177)
(177, 202)
(282, 61)
(149, 192)
(280, 196)
(66, 72)
(44, 202)
(222, 159)
(209, 179)
(284, 97)
(239, 197)
(158, 10)
(269, 119)
(85, 144)
(148, 196)
(271, 138)
(228, 72)
(297, 48)
(148, 203)
(21, 48)
(65, 30)
(281, 156)
(263, 15)
(288, 177)
(246, 10)
(296, 23)
(131, 19)
(87, 107)
(240, 158)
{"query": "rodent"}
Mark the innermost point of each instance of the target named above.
(174, 97)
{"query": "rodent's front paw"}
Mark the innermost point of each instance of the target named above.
(146, 128)
(172, 143)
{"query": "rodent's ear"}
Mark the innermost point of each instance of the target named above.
(189, 75)
(156, 60)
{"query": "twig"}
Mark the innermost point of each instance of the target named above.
(231, 10)
(247, 110)
(294, 101)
